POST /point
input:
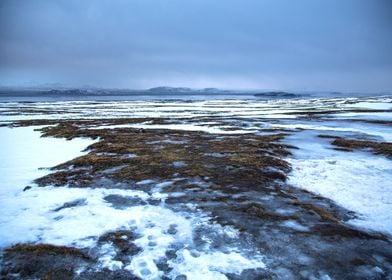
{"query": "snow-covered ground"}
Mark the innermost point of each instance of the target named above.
(264, 109)
(34, 215)
(358, 181)
(379, 132)
(185, 127)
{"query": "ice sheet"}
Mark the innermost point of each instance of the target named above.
(264, 109)
(358, 181)
(186, 127)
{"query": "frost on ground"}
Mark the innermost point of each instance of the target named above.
(360, 181)
(218, 189)
(78, 217)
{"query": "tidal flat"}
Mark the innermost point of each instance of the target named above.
(215, 189)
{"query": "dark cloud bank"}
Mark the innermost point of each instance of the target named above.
(276, 44)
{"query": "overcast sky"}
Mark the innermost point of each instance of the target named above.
(337, 45)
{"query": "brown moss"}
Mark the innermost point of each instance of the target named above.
(118, 235)
(257, 210)
(322, 213)
(43, 261)
(379, 148)
(348, 145)
(123, 241)
(57, 179)
(341, 230)
(97, 162)
(61, 178)
(248, 162)
(43, 249)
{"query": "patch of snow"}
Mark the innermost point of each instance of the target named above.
(129, 156)
(371, 105)
(294, 225)
(145, 182)
(363, 116)
(186, 127)
(374, 130)
(358, 181)
(212, 265)
(179, 164)
(24, 155)
(263, 109)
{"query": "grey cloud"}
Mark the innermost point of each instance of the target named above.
(283, 44)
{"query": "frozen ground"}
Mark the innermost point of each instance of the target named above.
(358, 181)
(267, 109)
(77, 217)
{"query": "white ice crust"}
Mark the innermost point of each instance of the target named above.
(31, 216)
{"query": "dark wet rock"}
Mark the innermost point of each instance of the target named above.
(105, 183)
(74, 203)
(119, 235)
(42, 261)
(344, 231)
(58, 218)
(154, 201)
(163, 265)
(106, 274)
(27, 188)
(277, 175)
(122, 240)
(181, 277)
(252, 274)
(172, 229)
(59, 274)
(171, 254)
(121, 202)
(382, 122)
(258, 210)
(370, 272)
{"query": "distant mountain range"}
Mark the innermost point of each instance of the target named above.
(164, 91)
(278, 94)
(181, 90)
(152, 91)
